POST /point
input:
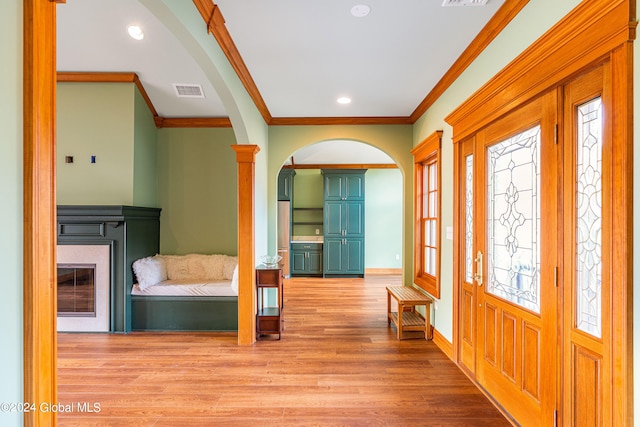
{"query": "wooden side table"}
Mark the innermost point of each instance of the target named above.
(409, 320)
(269, 319)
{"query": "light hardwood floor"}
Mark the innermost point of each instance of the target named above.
(338, 364)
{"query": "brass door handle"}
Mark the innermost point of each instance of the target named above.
(478, 276)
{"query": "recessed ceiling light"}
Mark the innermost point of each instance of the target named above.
(360, 10)
(344, 100)
(135, 32)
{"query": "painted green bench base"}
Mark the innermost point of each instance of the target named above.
(150, 313)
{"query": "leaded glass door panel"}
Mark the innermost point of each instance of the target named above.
(587, 229)
(515, 224)
(468, 290)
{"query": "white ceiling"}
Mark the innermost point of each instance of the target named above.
(92, 36)
(302, 54)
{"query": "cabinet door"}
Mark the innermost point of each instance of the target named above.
(285, 185)
(344, 186)
(333, 249)
(353, 254)
(333, 219)
(334, 187)
(314, 262)
(298, 262)
(354, 187)
(353, 219)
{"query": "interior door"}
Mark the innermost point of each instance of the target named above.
(515, 224)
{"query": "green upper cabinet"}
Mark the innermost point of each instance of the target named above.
(343, 184)
(285, 185)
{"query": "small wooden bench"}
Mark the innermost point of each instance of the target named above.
(409, 320)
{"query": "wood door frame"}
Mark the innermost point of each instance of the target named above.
(39, 208)
(594, 32)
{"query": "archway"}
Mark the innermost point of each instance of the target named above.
(383, 216)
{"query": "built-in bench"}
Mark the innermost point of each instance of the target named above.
(407, 318)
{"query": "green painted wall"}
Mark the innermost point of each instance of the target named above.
(307, 193)
(308, 188)
(533, 21)
(145, 155)
(95, 119)
(197, 186)
(383, 218)
(11, 368)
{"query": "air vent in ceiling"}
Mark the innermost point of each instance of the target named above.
(188, 91)
(446, 3)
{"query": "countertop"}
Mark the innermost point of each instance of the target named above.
(307, 239)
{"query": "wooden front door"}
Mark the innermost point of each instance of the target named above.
(515, 261)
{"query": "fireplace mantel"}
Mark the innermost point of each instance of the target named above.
(132, 232)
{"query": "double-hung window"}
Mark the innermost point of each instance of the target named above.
(426, 164)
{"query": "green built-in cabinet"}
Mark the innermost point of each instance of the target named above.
(285, 185)
(306, 259)
(344, 222)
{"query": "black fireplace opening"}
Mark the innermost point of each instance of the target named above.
(76, 290)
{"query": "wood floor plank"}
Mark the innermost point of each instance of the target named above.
(338, 364)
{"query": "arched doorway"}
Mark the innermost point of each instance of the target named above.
(302, 204)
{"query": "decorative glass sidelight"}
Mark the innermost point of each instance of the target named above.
(468, 220)
(589, 218)
(513, 219)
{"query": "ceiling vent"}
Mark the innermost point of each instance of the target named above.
(188, 91)
(447, 3)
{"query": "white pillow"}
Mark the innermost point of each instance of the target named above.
(230, 263)
(149, 271)
(213, 267)
(177, 267)
(234, 281)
